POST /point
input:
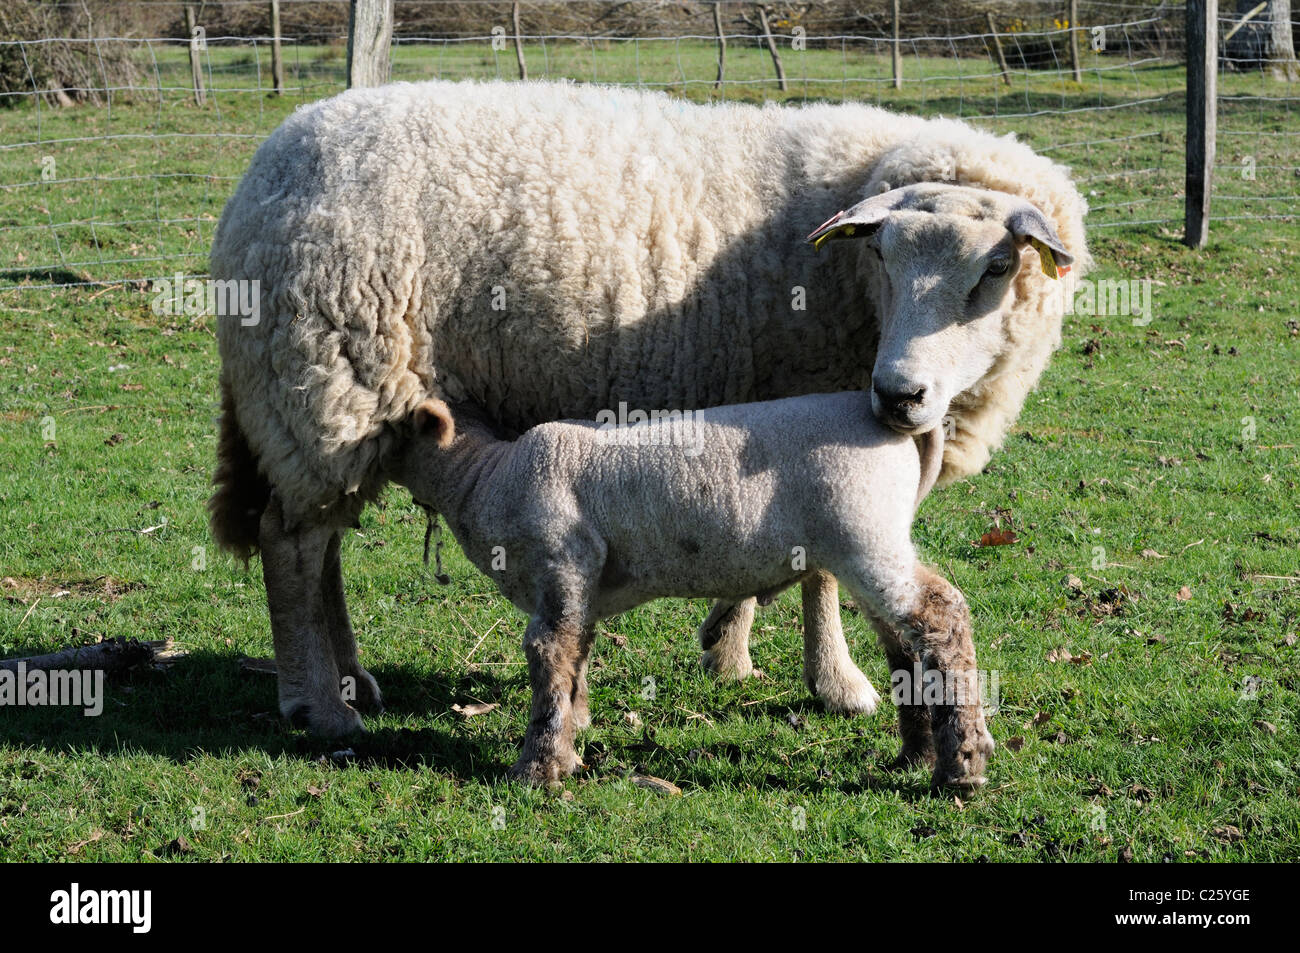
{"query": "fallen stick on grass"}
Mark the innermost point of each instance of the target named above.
(110, 655)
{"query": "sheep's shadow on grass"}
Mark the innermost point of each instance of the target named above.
(204, 704)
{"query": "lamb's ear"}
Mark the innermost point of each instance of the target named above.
(433, 419)
(1028, 224)
(860, 220)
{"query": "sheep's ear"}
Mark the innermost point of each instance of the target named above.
(860, 220)
(433, 419)
(1028, 224)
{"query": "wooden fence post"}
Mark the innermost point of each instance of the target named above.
(277, 58)
(898, 50)
(370, 42)
(1202, 89)
(1073, 17)
(771, 47)
(722, 44)
(997, 47)
(196, 55)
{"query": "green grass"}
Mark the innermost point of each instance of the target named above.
(1134, 442)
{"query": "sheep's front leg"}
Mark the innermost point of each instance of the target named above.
(554, 647)
(724, 636)
(293, 566)
(359, 686)
(828, 669)
(940, 630)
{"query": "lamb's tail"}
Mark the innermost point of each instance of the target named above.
(930, 446)
(242, 492)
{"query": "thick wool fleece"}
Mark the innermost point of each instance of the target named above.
(549, 250)
(738, 501)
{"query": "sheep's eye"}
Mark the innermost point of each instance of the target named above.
(999, 266)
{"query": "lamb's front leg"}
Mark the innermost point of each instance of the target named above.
(913, 717)
(940, 630)
(828, 669)
(554, 649)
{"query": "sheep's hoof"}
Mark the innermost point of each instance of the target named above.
(727, 665)
(541, 772)
(336, 720)
(367, 698)
(849, 693)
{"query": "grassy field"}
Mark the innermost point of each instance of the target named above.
(1172, 447)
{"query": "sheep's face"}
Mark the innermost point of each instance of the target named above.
(945, 282)
(944, 258)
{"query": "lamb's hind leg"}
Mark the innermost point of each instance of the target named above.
(293, 564)
(579, 698)
(828, 669)
(359, 686)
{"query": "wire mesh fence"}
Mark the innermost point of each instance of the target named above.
(114, 168)
(1257, 168)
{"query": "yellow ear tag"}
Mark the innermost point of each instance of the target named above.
(1046, 259)
(844, 231)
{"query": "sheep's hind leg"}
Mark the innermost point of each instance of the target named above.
(553, 644)
(359, 686)
(293, 563)
(724, 636)
(828, 669)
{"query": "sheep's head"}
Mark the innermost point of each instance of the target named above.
(945, 256)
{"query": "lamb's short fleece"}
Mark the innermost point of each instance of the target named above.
(575, 523)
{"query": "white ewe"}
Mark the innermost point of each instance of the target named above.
(550, 251)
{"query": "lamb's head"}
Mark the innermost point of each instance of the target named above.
(944, 257)
(421, 461)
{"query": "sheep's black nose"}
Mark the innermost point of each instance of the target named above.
(899, 403)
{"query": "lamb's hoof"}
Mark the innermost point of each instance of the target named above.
(541, 772)
(329, 721)
(910, 758)
(727, 665)
(846, 693)
(965, 769)
(365, 689)
(957, 782)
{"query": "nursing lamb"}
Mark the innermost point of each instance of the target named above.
(577, 521)
(552, 251)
